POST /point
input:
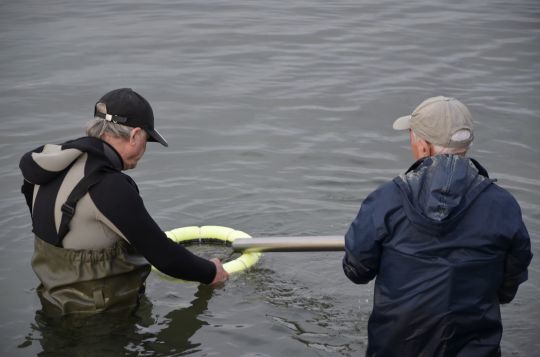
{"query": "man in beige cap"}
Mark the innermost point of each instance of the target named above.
(443, 125)
(446, 245)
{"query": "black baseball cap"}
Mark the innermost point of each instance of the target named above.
(127, 107)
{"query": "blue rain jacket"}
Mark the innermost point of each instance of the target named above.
(446, 246)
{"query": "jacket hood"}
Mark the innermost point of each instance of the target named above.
(49, 161)
(437, 190)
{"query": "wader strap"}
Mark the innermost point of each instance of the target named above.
(68, 208)
(27, 190)
(99, 300)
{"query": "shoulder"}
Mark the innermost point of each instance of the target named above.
(495, 192)
(116, 186)
(386, 192)
(120, 179)
(385, 198)
(500, 197)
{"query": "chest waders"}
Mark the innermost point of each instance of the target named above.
(87, 281)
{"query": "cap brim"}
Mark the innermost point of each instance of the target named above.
(156, 137)
(402, 123)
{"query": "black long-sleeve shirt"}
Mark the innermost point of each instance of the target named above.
(112, 210)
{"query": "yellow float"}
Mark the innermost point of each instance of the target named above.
(206, 234)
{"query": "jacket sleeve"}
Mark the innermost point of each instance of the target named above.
(517, 260)
(362, 245)
(118, 199)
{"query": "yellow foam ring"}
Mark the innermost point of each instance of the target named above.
(226, 234)
(180, 235)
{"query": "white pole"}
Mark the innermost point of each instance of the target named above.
(290, 244)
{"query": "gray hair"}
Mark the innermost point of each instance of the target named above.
(99, 126)
(440, 150)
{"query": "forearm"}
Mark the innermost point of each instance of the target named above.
(516, 263)
(362, 251)
(121, 204)
(173, 259)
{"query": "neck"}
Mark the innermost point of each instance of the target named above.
(118, 144)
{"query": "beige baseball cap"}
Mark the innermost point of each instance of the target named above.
(440, 120)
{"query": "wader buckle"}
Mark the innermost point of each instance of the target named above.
(68, 210)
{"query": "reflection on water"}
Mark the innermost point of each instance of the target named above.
(130, 333)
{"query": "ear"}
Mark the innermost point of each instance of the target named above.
(421, 148)
(134, 135)
(425, 148)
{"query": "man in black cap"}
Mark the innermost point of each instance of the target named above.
(92, 231)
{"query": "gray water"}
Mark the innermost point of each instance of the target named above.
(278, 115)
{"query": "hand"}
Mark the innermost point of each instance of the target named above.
(221, 274)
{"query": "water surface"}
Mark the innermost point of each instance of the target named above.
(278, 115)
